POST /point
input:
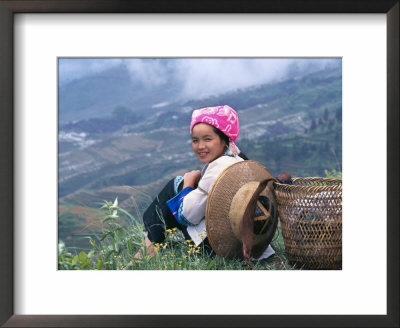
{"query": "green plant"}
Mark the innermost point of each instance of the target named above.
(333, 174)
(117, 240)
(67, 261)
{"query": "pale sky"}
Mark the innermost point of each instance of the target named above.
(200, 76)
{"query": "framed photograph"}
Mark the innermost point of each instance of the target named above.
(37, 34)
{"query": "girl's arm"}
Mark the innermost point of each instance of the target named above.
(191, 178)
(188, 193)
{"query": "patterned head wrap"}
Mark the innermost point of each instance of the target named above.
(224, 118)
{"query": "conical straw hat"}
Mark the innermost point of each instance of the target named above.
(226, 204)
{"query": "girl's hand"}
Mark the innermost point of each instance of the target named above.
(191, 178)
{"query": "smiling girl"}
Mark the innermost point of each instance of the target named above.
(182, 202)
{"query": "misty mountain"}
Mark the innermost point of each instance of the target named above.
(148, 86)
(99, 94)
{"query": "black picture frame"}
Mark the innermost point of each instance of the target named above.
(10, 7)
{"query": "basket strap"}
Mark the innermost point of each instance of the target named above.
(248, 221)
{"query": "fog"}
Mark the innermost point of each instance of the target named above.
(197, 77)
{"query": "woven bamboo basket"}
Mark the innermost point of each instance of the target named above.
(310, 212)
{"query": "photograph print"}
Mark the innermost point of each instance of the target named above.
(199, 163)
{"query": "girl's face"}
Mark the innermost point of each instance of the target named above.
(206, 144)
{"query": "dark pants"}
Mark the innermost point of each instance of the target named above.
(157, 218)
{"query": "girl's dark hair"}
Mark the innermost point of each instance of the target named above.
(221, 135)
(225, 138)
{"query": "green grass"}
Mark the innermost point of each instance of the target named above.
(114, 249)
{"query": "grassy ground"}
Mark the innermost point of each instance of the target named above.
(121, 237)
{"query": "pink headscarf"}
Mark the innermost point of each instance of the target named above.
(223, 118)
